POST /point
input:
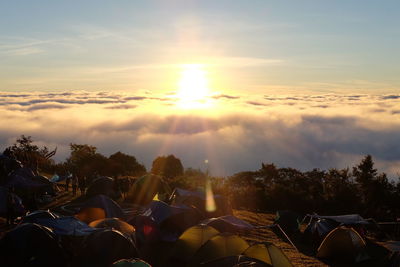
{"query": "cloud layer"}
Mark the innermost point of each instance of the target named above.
(235, 133)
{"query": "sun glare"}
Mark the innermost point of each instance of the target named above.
(193, 87)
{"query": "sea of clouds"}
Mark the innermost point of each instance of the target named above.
(235, 133)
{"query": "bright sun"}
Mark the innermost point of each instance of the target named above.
(193, 86)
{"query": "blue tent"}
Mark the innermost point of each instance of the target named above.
(19, 181)
(69, 226)
(35, 216)
(228, 223)
(171, 220)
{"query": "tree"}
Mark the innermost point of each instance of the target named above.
(365, 174)
(84, 160)
(123, 164)
(31, 155)
(167, 166)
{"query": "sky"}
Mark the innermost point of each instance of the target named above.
(304, 84)
(251, 46)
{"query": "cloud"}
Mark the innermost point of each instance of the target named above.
(225, 96)
(237, 134)
(121, 107)
(255, 103)
(47, 106)
(391, 97)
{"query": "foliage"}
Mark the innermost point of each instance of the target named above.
(362, 190)
(31, 155)
(167, 166)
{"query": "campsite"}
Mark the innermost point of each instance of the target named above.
(144, 221)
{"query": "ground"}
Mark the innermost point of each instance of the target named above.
(266, 234)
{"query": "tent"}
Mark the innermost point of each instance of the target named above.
(8, 165)
(18, 207)
(220, 246)
(146, 188)
(23, 182)
(31, 245)
(198, 199)
(288, 220)
(114, 223)
(98, 207)
(171, 220)
(235, 261)
(269, 254)
(317, 229)
(35, 216)
(101, 186)
(343, 244)
(349, 219)
(191, 241)
(130, 263)
(147, 230)
(66, 226)
(228, 223)
(102, 248)
(392, 250)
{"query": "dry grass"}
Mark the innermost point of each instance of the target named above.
(262, 235)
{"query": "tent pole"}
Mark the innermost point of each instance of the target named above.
(287, 237)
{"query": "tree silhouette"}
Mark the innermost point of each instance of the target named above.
(124, 164)
(167, 166)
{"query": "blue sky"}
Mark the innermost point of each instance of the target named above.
(259, 46)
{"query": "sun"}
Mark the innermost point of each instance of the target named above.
(193, 89)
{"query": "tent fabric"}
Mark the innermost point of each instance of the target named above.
(235, 261)
(228, 223)
(146, 188)
(18, 208)
(393, 246)
(19, 181)
(101, 186)
(344, 244)
(103, 248)
(31, 245)
(268, 253)
(192, 240)
(198, 199)
(160, 211)
(220, 246)
(37, 215)
(66, 226)
(147, 230)
(110, 207)
(114, 223)
(131, 263)
(393, 257)
(88, 215)
(171, 220)
(317, 229)
(349, 219)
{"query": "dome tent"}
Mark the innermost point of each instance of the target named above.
(102, 248)
(343, 244)
(31, 244)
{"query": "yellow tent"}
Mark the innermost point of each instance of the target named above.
(268, 253)
(220, 246)
(343, 244)
(192, 240)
